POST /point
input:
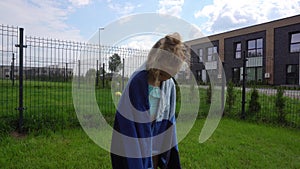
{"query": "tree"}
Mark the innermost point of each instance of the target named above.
(254, 105)
(114, 63)
(280, 104)
(90, 73)
(208, 94)
(230, 96)
(101, 71)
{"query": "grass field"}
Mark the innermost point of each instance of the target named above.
(50, 105)
(233, 145)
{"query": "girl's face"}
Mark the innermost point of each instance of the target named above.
(163, 76)
(168, 72)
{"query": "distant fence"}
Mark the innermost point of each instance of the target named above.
(48, 67)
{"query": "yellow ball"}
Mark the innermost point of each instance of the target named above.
(118, 93)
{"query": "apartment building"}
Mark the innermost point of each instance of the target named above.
(272, 51)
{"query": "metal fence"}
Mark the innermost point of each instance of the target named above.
(48, 67)
(268, 111)
(44, 97)
(9, 58)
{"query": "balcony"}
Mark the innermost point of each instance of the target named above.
(254, 62)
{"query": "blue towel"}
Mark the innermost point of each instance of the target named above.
(135, 136)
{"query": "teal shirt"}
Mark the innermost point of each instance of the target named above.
(154, 98)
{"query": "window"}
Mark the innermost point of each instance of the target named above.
(254, 74)
(295, 42)
(198, 74)
(238, 50)
(251, 74)
(236, 74)
(212, 53)
(255, 48)
(292, 74)
(200, 55)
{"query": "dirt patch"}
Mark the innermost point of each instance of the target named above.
(18, 135)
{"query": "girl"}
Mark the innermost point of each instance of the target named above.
(144, 134)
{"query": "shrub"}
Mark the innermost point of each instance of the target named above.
(208, 94)
(230, 99)
(7, 124)
(254, 105)
(280, 104)
(178, 93)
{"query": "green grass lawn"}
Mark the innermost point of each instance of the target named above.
(233, 145)
(49, 105)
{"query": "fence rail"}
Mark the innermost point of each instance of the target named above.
(49, 66)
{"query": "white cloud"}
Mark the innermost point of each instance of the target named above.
(43, 18)
(80, 2)
(171, 7)
(139, 42)
(122, 8)
(227, 15)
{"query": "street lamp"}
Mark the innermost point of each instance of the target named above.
(100, 41)
(97, 74)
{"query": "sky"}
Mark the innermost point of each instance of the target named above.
(80, 20)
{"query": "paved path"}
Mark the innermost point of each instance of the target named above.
(288, 93)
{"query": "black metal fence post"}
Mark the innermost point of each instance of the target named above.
(78, 83)
(97, 74)
(66, 73)
(223, 76)
(21, 108)
(123, 74)
(12, 76)
(103, 76)
(243, 114)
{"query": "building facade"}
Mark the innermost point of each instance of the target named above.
(272, 50)
(53, 73)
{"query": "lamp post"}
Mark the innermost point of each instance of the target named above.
(97, 72)
(100, 41)
(101, 28)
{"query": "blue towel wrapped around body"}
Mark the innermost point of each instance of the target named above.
(137, 136)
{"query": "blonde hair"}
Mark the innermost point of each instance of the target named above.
(167, 53)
